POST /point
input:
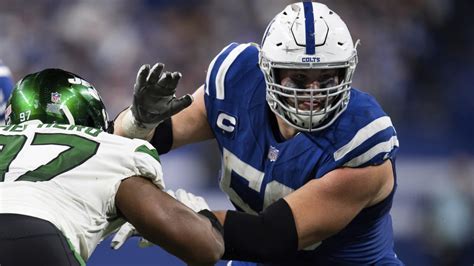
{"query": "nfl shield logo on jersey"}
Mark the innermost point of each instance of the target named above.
(273, 154)
(55, 97)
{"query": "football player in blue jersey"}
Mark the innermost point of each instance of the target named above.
(6, 86)
(307, 160)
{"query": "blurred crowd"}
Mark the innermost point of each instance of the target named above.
(410, 50)
(415, 56)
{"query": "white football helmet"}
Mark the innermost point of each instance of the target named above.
(307, 35)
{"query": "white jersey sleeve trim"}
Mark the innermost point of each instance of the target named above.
(220, 78)
(362, 135)
(383, 147)
(211, 66)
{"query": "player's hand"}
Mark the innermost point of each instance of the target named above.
(126, 231)
(154, 98)
(192, 201)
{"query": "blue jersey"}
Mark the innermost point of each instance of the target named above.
(260, 167)
(6, 86)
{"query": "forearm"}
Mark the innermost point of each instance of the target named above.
(123, 126)
(269, 236)
(193, 239)
(168, 223)
(191, 125)
(161, 137)
(178, 131)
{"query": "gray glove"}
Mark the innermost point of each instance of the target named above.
(154, 98)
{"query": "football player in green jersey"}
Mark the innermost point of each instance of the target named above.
(65, 183)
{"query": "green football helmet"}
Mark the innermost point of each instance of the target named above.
(56, 96)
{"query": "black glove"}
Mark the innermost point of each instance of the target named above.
(154, 98)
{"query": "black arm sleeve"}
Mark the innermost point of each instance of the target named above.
(266, 237)
(162, 140)
(213, 219)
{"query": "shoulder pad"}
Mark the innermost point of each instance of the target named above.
(232, 64)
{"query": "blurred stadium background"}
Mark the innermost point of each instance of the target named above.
(416, 57)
